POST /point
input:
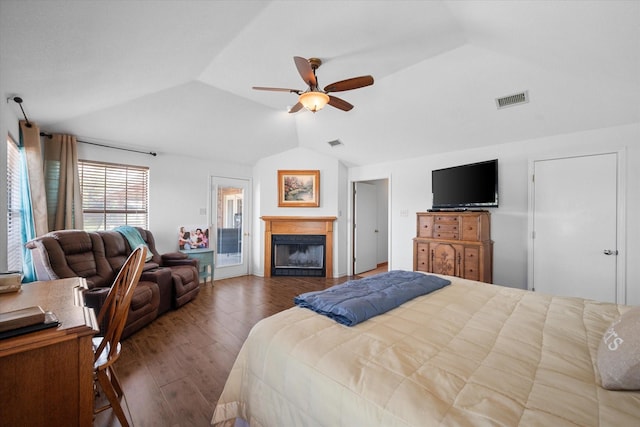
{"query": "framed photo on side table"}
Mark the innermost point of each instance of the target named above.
(193, 237)
(299, 188)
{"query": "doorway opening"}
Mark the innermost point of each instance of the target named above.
(370, 231)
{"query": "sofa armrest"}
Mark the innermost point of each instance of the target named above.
(172, 259)
(161, 276)
(41, 262)
(173, 256)
(177, 262)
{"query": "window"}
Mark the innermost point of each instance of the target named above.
(113, 195)
(14, 213)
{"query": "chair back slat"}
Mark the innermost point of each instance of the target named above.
(116, 306)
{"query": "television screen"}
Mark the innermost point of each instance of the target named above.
(466, 186)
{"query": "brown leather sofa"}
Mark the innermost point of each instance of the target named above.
(168, 281)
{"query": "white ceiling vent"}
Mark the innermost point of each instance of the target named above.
(515, 99)
(335, 143)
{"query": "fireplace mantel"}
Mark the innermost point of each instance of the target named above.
(322, 225)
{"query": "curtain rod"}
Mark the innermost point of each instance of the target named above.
(18, 101)
(151, 153)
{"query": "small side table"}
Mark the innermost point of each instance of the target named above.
(206, 257)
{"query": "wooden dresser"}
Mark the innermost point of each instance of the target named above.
(455, 244)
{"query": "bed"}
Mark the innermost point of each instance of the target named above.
(469, 354)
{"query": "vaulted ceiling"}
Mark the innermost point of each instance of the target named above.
(176, 76)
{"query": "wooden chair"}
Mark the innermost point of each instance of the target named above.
(114, 314)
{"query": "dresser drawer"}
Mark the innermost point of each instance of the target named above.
(446, 230)
(425, 225)
(422, 257)
(447, 235)
(470, 228)
(446, 227)
(472, 263)
(447, 219)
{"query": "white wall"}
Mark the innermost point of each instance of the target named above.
(180, 194)
(178, 188)
(411, 190)
(342, 257)
(333, 198)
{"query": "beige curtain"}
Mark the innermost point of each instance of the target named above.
(64, 201)
(33, 156)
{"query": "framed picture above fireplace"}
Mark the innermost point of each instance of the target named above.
(298, 188)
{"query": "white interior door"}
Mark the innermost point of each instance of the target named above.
(365, 233)
(575, 215)
(230, 211)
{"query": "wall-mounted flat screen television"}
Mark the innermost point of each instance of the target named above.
(467, 186)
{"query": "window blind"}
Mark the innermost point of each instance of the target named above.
(14, 212)
(113, 195)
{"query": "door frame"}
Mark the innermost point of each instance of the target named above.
(231, 271)
(621, 230)
(353, 230)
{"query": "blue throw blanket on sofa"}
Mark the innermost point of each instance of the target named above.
(134, 238)
(358, 300)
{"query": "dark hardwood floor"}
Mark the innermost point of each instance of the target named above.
(173, 371)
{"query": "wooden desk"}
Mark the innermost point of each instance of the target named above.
(46, 377)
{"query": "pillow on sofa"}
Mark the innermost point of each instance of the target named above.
(619, 353)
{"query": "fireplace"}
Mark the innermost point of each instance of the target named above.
(298, 255)
(308, 233)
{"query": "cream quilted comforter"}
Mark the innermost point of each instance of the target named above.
(470, 354)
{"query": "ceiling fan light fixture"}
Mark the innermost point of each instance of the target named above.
(313, 101)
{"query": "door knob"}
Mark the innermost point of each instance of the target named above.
(610, 252)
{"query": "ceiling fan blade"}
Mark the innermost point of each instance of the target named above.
(276, 89)
(340, 104)
(354, 83)
(296, 108)
(305, 70)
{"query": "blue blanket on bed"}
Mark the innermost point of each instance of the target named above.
(358, 300)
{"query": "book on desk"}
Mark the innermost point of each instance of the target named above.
(25, 320)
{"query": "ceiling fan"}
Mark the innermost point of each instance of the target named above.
(314, 99)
